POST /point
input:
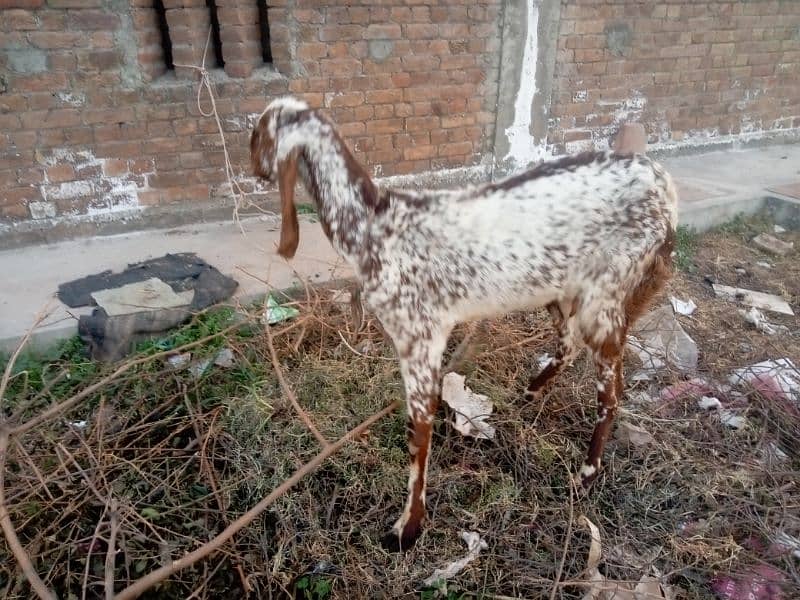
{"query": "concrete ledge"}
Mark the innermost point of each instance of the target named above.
(51, 231)
(726, 143)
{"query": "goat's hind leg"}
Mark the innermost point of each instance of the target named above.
(608, 363)
(568, 348)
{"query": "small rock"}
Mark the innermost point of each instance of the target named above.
(197, 369)
(367, 347)
(179, 361)
(343, 297)
(741, 271)
(772, 244)
(778, 229)
(764, 264)
(224, 358)
(633, 435)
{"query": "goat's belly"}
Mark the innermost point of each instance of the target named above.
(496, 304)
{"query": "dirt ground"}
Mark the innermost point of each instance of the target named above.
(159, 460)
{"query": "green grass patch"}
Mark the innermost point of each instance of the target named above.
(685, 248)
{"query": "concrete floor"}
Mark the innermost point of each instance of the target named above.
(713, 188)
(34, 273)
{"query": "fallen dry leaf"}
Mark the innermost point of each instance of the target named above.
(602, 588)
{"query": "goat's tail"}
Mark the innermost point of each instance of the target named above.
(654, 276)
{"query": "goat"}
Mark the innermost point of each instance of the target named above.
(590, 237)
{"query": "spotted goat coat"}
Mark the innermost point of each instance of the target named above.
(590, 237)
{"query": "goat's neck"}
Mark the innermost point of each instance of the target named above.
(344, 194)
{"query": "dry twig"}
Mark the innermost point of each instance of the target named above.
(149, 580)
(287, 390)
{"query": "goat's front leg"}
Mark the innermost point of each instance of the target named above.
(420, 366)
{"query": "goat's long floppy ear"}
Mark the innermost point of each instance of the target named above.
(290, 229)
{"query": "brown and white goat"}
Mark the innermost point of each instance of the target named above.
(589, 236)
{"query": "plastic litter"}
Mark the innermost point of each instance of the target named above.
(761, 582)
(660, 341)
(709, 403)
(471, 409)
(179, 361)
(731, 419)
(276, 313)
(695, 387)
(633, 435)
(474, 546)
(774, 379)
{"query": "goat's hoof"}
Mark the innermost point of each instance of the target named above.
(392, 542)
(586, 476)
(532, 395)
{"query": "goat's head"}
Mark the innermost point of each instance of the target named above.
(270, 159)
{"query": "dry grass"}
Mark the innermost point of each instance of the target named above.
(183, 457)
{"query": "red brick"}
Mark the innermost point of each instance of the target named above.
(384, 96)
(419, 152)
(89, 20)
(31, 176)
(384, 126)
(311, 51)
(55, 39)
(10, 122)
(421, 123)
(60, 173)
(384, 111)
(421, 31)
(18, 20)
(459, 148)
(378, 32)
(115, 167)
(348, 99)
(457, 121)
(337, 33)
(41, 82)
(4, 4)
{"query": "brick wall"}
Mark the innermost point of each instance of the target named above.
(96, 125)
(92, 121)
(691, 70)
